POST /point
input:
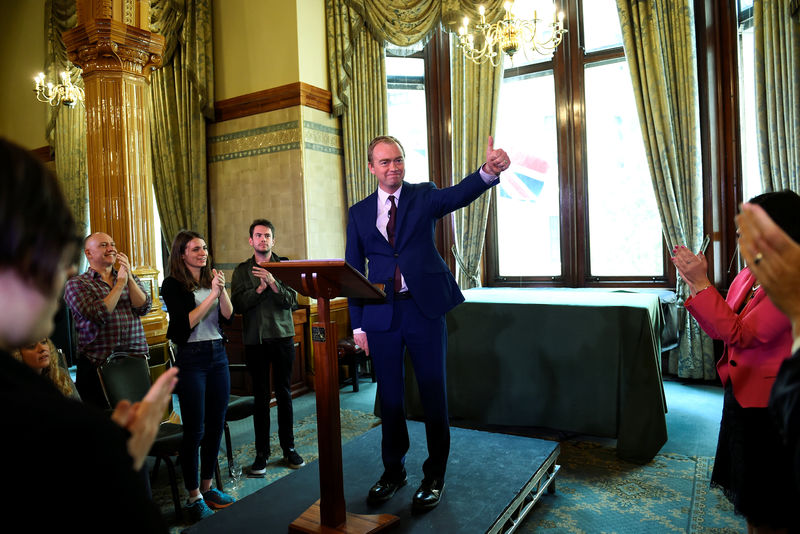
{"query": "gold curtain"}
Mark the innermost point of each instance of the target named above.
(406, 22)
(475, 91)
(66, 127)
(182, 94)
(358, 86)
(659, 45)
(777, 56)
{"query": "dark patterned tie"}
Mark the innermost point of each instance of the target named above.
(390, 228)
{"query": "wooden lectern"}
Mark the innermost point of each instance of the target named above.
(324, 280)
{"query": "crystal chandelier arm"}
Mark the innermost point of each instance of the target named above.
(510, 34)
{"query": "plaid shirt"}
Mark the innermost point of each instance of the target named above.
(101, 332)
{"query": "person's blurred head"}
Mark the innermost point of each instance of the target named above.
(43, 357)
(784, 208)
(38, 245)
(36, 355)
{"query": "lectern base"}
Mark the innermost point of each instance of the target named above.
(310, 523)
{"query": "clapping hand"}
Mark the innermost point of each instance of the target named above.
(496, 159)
(773, 257)
(265, 279)
(142, 419)
(124, 268)
(218, 284)
(693, 268)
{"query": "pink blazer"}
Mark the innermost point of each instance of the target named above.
(756, 340)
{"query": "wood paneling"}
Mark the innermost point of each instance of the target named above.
(286, 96)
(241, 382)
(43, 154)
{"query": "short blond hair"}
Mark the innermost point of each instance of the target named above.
(383, 139)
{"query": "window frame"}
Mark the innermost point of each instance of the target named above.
(568, 65)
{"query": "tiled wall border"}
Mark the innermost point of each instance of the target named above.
(274, 138)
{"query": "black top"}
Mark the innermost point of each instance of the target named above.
(66, 464)
(180, 302)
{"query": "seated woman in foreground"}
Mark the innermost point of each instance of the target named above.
(44, 359)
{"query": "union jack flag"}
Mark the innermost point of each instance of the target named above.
(525, 179)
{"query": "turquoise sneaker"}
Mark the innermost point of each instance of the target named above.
(217, 500)
(198, 510)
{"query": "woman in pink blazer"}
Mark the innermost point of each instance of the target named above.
(752, 465)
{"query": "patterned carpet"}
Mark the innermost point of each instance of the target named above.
(595, 491)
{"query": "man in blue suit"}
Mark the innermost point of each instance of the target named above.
(393, 230)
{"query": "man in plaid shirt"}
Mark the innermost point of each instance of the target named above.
(107, 304)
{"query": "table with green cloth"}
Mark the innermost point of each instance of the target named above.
(576, 360)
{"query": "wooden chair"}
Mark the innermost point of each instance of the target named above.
(351, 357)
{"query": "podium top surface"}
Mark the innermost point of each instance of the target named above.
(324, 279)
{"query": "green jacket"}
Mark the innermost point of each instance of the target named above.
(264, 316)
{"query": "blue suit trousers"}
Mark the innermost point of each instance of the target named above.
(426, 340)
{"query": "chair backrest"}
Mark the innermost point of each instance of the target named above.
(124, 376)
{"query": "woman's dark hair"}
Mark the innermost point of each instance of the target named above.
(37, 225)
(784, 208)
(178, 269)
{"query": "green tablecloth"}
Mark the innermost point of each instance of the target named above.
(577, 360)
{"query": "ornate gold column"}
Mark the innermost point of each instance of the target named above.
(113, 46)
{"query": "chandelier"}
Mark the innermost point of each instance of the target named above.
(509, 35)
(64, 93)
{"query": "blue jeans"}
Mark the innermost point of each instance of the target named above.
(204, 386)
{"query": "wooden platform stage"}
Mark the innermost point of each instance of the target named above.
(493, 480)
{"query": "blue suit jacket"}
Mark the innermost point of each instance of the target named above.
(427, 276)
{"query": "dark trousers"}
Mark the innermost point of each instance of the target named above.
(426, 340)
(88, 384)
(204, 387)
(280, 353)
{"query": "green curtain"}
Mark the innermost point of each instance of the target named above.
(66, 127)
(182, 95)
(358, 85)
(474, 96)
(777, 57)
(658, 37)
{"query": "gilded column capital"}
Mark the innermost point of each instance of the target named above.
(109, 45)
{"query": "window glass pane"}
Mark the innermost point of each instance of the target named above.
(405, 78)
(601, 25)
(745, 5)
(528, 228)
(624, 226)
(751, 172)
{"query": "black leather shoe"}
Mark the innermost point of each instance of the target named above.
(385, 488)
(428, 494)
